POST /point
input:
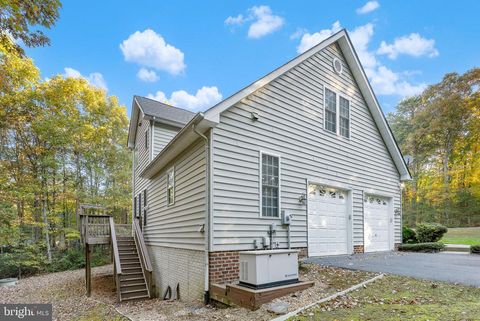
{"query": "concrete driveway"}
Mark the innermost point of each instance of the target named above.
(448, 267)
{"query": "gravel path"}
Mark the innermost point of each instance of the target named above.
(327, 281)
(66, 291)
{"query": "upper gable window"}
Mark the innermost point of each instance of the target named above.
(337, 113)
(344, 117)
(330, 110)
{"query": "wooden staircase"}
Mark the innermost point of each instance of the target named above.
(133, 285)
(131, 262)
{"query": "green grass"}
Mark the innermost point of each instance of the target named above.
(401, 298)
(462, 235)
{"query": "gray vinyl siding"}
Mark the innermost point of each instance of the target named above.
(143, 157)
(162, 135)
(290, 125)
(179, 225)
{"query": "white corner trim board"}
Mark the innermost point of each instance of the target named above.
(331, 297)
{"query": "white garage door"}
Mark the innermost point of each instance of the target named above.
(327, 221)
(376, 223)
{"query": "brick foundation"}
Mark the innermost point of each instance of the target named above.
(223, 267)
(358, 249)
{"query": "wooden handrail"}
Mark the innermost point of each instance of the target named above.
(142, 247)
(116, 255)
(99, 215)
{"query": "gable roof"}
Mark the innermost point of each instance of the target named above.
(163, 111)
(160, 112)
(346, 46)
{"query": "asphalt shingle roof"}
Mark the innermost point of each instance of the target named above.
(160, 110)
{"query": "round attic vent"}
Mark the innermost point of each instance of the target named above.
(337, 66)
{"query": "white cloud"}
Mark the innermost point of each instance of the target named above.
(265, 22)
(384, 80)
(412, 45)
(147, 75)
(387, 82)
(72, 73)
(309, 40)
(298, 33)
(238, 20)
(368, 7)
(149, 49)
(95, 78)
(204, 98)
(361, 37)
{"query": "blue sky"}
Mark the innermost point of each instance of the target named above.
(194, 53)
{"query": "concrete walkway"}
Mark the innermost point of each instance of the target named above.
(448, 267)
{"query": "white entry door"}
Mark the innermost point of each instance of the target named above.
(377, 222)
(327, 221)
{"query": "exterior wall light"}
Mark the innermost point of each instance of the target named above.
(302, 198)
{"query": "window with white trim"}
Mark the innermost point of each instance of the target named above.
(270, 185)
(330, 110)
(171, 187)
(135, 207)
(336, 113)
(344, 117)
(144, 207)
(139, 213)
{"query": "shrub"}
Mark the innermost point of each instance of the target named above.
(409, 235)
(21, 262)
(30, 259)
(430, 247)
(475, 249)
(430, 232)
(74, 258)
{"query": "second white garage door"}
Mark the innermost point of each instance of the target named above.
(376, 223)
(327, 221)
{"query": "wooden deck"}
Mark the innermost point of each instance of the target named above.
(234, 294)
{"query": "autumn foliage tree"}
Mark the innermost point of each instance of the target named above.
(439, 131)
(62, 143)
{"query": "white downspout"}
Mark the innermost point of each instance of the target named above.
(207, 213)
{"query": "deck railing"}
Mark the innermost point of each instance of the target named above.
(95, 229)
(123, 230)
(144, 257)
(117, 267)
(101, 229)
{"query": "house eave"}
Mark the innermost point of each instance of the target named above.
(132, 128)
(184, 138)
(165, 121)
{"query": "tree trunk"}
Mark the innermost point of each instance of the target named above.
(47, 236)
(446, 179)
